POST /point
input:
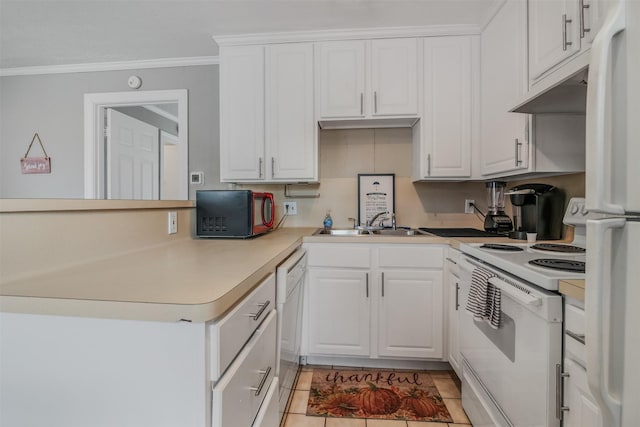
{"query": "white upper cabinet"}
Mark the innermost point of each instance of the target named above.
(242, 113)
(394, 77)
(554, 33)
(341, 78)
(266, 113)
(559, 29)
(367, 78)
(290, 130)
(504, 137)
(442, 144)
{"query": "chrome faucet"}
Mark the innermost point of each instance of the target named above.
(376, 216)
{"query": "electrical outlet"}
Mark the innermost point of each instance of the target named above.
(290, 208)
(468, 206)
(172, 222)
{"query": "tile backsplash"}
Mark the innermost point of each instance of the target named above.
(343, 154)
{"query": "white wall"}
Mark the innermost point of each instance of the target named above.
(52, 105)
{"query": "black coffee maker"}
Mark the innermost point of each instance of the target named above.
(537, 208)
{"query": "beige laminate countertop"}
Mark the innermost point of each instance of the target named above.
(572, 288)
(192, 279)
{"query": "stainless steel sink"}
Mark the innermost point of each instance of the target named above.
(365, 232)
(341, 232)
(397, 232)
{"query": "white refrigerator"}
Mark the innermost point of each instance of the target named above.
(612, 301)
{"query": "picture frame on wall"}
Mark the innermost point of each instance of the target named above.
(376, 194)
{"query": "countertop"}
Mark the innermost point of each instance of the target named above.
(195, 280)
(192, 279)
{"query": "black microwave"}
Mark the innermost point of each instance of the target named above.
(233, 213)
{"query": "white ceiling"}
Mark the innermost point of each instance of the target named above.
(60, 32)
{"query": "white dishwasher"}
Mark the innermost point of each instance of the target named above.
(289, 291)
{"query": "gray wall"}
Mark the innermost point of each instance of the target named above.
(52, 105)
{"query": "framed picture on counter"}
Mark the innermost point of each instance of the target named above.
(376, 197)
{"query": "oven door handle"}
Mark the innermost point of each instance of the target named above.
(520, 296)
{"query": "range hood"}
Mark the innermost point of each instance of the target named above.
(557, 94)
(399, 122)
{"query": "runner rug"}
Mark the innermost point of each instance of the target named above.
(373, 393)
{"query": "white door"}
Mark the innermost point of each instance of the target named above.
(133, 158)
(504, 139)
(341, 88)
(410, 314)
(290, 128)
(554, 34)
(242, 113)
(446, 126)
(394, 77)
(339, 312)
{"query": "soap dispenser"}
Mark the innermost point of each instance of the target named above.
(328, 221)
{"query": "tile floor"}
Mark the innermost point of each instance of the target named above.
(446, 382)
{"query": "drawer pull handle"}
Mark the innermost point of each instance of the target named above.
(265, 375)
(257, 315)
(577, 337)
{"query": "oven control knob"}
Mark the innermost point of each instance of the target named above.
(584, 211)
(574, 209)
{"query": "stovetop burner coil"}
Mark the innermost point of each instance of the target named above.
(555, 247)
(499, 247)
(559, 264)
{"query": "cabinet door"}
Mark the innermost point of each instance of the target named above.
(504, 136)
(342, 78)
(290, 142)
(410, 314)
(583, 410)
(242, 113)
(446, 126)
(394, 77)
(593, 14)
(554, 34)
(453, 310)
(339, 310)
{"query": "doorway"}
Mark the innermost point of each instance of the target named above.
(119, 173)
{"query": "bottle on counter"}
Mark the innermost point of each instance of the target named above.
(328, 221)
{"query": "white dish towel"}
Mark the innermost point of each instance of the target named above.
(484, 298)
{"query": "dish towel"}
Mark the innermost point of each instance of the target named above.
(484, 298)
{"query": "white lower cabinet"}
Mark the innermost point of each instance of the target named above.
(268, 415)
(410, 320)
(580, 407)
(376, 301)
(339, 312)
(453, 310)
(238, 395)
(583, 409)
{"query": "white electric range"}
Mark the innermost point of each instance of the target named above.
(541, 264)
(511, 374)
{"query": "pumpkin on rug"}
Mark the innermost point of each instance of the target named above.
(383, 394)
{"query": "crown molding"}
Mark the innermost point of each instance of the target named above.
(111, 66)
(349, 34)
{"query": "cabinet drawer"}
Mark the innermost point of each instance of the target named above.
(239, 393)
(228, 335)
(411, 256)
(574, 331)
(344, 255)
(268, 415)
